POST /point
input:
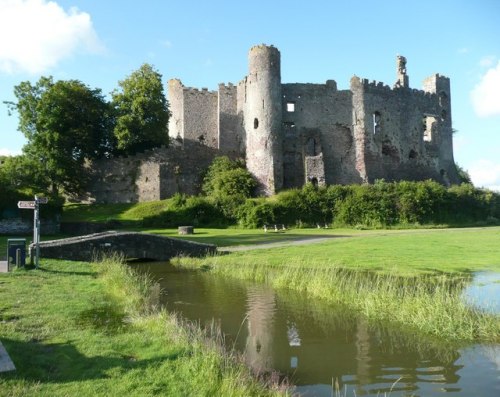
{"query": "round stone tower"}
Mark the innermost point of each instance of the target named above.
(263, 118)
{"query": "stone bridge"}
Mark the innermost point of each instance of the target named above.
(132, 245)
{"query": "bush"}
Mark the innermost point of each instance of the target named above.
(182, 210)
(227, 178)
(256, 213)
(368, 205)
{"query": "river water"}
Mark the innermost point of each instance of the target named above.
(316, 345)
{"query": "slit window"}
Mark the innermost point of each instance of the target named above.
(290, 107)
(255, 123)
(377, 119)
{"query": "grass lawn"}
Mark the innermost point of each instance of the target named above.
(403, 251)
(80, 329)
(447, 250)
(107, 212)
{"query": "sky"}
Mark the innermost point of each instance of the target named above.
(204, 43)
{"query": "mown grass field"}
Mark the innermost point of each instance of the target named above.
(402, 251)
(411, 251)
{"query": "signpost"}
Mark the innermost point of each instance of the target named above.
(26, 204)
(35, 205)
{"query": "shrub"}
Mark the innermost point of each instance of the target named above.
(226, 178)
(182, 210)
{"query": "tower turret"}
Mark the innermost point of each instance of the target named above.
(402, 77)
(263, 118)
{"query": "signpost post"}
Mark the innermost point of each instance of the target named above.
(35, 205)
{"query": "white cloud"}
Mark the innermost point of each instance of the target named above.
(487, 61)
(486, 94)
(486, 173)
(37, 34)
(166, 43)
(8, 152)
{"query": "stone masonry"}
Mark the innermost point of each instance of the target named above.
(290, 134)
(131, 245)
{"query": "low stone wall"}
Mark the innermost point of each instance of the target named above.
(130, 244)
(20, 226)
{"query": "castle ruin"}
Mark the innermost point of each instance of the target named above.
(290, 134)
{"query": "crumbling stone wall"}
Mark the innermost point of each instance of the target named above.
(293, 133)
(317, 119)
(230, 137)
(407, 133)
(153, 175)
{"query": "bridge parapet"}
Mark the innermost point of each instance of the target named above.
(132, 245)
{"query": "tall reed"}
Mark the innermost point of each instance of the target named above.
(204, 359)
(430, 304)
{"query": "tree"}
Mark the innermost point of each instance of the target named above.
(66, 123)
(226, 178)
(463, 175)
(141, 111)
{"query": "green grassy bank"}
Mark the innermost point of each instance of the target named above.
(412, 278)
(90, 330)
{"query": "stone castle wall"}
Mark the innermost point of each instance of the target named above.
(290, 134)
(153, 175)
(262, 119)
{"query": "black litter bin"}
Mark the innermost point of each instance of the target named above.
(14, 244)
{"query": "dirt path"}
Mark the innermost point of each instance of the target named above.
(302, 241)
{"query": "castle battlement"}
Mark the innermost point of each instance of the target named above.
(294, 133)
(370, 131)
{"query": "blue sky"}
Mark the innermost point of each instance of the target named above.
(206, 42)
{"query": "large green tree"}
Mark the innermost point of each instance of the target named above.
(141, 111)
(66, 123)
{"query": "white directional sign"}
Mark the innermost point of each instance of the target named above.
(26, 204)
(35, 205)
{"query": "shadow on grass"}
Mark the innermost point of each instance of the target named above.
(68, 273)
(106, 318)
(63, 362)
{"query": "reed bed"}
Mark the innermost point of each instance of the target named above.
(431, 304)
(207, 361)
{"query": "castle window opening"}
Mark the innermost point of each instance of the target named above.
(430, 123)
(311, 147)
(255, 123)
(290, 107)
(443, 99)
(377, 118)
(443, 115)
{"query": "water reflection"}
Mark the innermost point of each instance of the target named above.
(317, 344)
(484, 291)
